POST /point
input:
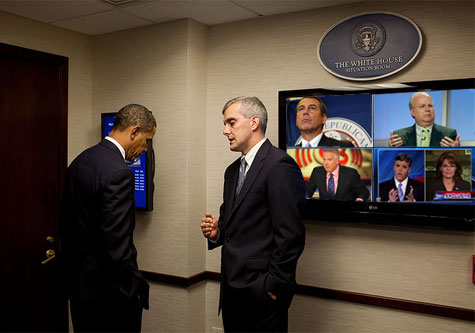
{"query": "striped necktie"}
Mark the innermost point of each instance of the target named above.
(400, 193)
(242, 176)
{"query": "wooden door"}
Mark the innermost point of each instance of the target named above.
(33, 136)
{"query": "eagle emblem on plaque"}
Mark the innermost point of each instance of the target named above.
(367, 38)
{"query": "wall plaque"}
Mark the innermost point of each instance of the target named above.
(369, 46)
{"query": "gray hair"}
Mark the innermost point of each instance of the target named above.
(250, 106)
(334, 151)
(134, 115)
(417, 94)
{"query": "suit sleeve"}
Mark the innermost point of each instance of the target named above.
(418, 190)
(452, 133)
(222, 208)
(407, 136)
(286, 195)
(463, 185)
(384, 189)
(359, 188)
(311, 185)
(220, 240)
(117, 222)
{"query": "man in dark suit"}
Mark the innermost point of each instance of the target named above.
(424, 133)
(310, 119)
(105, 287)
(401, 187)
(335, 181)
(260, 224)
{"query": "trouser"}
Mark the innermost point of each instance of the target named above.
(244, 311)
(106, 314)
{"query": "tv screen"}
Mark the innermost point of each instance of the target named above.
(386, 153)
(143, 168)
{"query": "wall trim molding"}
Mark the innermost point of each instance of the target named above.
(340, 295)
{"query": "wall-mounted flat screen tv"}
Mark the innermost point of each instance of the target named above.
(400, 153)
(143, 168)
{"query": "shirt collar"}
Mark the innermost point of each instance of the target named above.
(252, 153)
(404, 182)
(420, 128)
(122, 151)
(314, 142)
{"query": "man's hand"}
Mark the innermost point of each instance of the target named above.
(448, 142)
(393, 196)
(394, 140)
(410, 196)
(209, 227)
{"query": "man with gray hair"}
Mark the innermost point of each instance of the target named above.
(424, 133)
(105, 288)
(260, 225)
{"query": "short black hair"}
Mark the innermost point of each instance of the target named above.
(134, 114)
(403, 157)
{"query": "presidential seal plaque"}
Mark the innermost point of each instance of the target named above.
(369, 46)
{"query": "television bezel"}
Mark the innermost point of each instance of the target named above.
(149, 168)
(447, 216)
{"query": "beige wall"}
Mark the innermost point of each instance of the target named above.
(262, 56)
(308, 314)
(164, 68)
(184, 72)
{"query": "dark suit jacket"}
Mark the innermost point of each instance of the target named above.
(350, 187)
(261, 232)
(437, 185)
(389, 184)
(98, 252)
(325, 141)
(409, 137)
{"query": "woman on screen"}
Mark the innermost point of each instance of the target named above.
(448, 176)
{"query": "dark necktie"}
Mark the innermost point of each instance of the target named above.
(331, 186)
(242, 176)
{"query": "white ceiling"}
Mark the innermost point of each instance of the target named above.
(95, 17)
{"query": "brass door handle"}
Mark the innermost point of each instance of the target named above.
(50, 254)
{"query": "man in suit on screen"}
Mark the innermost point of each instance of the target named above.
(106, 290)
(260, 225)
(335, 181)
(424, 133)
(401, 187)
(310, 119)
